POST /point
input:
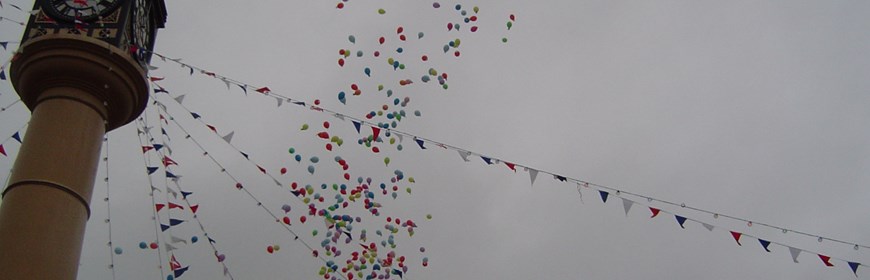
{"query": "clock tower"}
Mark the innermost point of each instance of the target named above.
(81, 70)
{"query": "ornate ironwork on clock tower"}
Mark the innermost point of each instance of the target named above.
(81, 70)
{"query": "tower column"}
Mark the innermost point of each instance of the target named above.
(77, 88)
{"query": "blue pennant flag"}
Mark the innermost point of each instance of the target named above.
(195, 115)
(486, 159)
(17, 137)
(175, 222)
(151, 170)
(681, 220)
(160, 89)
(180, 271)
(420, 142)
(854, 267)
(398, 272)
(245, 89)
(764, 243)
(561, 178)
(357, 125)
(164, 132)
(2, 74)
(244, 154)
(163, 227)
(300, 103)
(211, 240)
(185, 194)
(4, 44)
(158, 146)
(170, 175)
(604, 195)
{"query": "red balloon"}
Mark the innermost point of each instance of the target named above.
(283, 170)
(339, 6)
(402, 37)
(399, 30)
(346, 176)
(329, 147)
(513, 18)
(341, 52)
(239, 186)
(326, 125)
(316, 101)
(444, 75)
(323, 135)
(473, 18)
(287, 220)
(341, 62)
(354, 87)
(153, 245)
(474, 28)
(425, 58)
(449, 26)
(382, 40)
(456, 53)
(376, 150)
(270, 249)
(303, 219)
(377, 53)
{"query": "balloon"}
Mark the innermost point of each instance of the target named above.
(298, 158)
(417, 113)
(382, 40)
(387, 161)
(277, 247)
(504, 40)
(411, 180)
(400, 30)
(456, 53)
(428, 216)
(377, 53)
(422, 250)
(368, 71)
(291, 150)
(509, 25)
(170, 277)
(304, 127)
(389, 92)
(476, 9)
(436, 5)
(143, 245)
(311, 169)
(341, 62)
(352, 39)
(402, 37)
(315, 159)
(283, 170)
(446, 48)
(382, 11)
(390, 61)
(194, 239)
(286, 208)
(153, 245)
(314, 232)
(359, 53)
(118, 250)
(221, 257)
(339, 6)
(420, 35)
(425, 79)
(449, 26)
(456, 43)
(399, 50)
(395, 195)
(270, 249)
(425, 58)
(512, 17)
(458, 7)
(433, 72)
(474, 28)
(402, 66)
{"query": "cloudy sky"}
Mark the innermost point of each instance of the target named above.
(751, 109)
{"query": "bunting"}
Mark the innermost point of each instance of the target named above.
(533, 174)
(826, 260)
(626, 204)
(604, 196)
(764, 244)
(2, 150)
(736, 236)
(655, 212)
(17, 137)
(681, 220)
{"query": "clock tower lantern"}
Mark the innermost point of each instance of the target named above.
(81, 70)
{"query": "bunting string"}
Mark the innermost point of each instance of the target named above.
(147, 161)
(108, 200)
(4, 108)
(190, 206)
(533, 172)
(233, 178)
(465, 153)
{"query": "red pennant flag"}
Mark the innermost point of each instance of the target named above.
(174, 264)
(212, 128)
(210, 74)
(145, 149)
(826, 260)
(173, 205)
(168, 161)
(736, 236)
(193, 208)
(159, 206)
(2, 151)
(162, 118)
(154, 79)
(511, 166)
(376, 131)
(261, 169)
(264, 90)
(655, 212)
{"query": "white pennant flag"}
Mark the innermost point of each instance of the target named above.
(171, 191)
(226, 82)
(626, 204)
(464, 155)
(229, 136)
(339, 116)
(177, 239)
(794, 253)
(579, 192)
(708, 226)
(533, 174)
(226, 270)
(280, 101)
(169, 247)
(400, 137)
(179, 99)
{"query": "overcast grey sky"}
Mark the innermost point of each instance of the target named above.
(746, 108)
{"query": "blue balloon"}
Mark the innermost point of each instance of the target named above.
(368, 71)
(399, 50)
(447, 47)
(143, 245)
(425, 79)
(298, 158)
(315, 159)
(311, 169)
(118, 250)
(194, 239)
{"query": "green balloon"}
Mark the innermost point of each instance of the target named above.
(305, 127)
(509, 25)
(386, 161)
(382, 11)
(292, 150)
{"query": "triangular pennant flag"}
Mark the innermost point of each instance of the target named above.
(560, 178)
(244, 88)
(486, 159)
(826, 260)
(2, 74)
(226, 82)
(655, 212)
(533, 174)
(159, 206)
(261, 169)
(168, 161)
(464, 155)
(376, 131)
(264, 90)
(604, 196)
(356, 125)
(280, 101)
(401, 137)
(158, 147)
(184, 194)
(177, 239)
(151, 170)
(173, 263)
(193, 208)
(579, 192)
(212, 241)
(195, 115)
(795, 252)
(178, 272)
(511, 166)
(736, 236)
(16, 137)
(163, 227)
(681, 220)
(2, 150)
(854, 267)
(708, 226)
(212, 128)
(765, 244)
(229, 136)
(172, 192)
(155, 79)
(164, 132)
(420, 142)
(4, 44)
(179, 99)
(626, 204)
(244, 154)
(160, 89)
(175, 206)
(300, 103)
(175, 222)
(145, 149)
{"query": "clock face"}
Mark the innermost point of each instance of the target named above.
(142, 25)
(83, 10)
